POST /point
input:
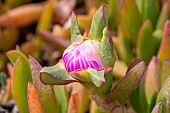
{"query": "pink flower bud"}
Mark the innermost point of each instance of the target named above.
(81, 56)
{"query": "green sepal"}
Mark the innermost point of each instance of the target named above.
(105, 48)
(75, 32)
(56, 75)
(91, 75)
(99, 21)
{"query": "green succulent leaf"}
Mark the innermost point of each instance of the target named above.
(119, 109)
(62, 97)
(130, 20)
(13, 56)
(56, 75)
(20, 83)
(165, 72)
(75, 32)
(163, 16)
(99, 22)
(164, 96)
(45, 92)
(145, 42)
(150, 10)
(157, 108)
(125, 86)
(157, 35)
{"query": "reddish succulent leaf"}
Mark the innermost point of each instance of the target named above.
(164, 51)
(125, 86)
(34, 102)
(56, 42)
(118, 109)
(151, 79)
(157, 108)
(45, 92)
(73, 104)
(21, 16)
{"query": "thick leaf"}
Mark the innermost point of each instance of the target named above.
(82, 92)
(118, 109)
(157, 35)
(21, 16)
(165, 72)
(164, 51)
(94, 108)
(73, 104)
(45, 20)
(130, 20)
(62, 97)
(13, 56)
(99, 22)
(164, 15)
(164, 96)
(125, 86)
(157, 108)
(20, 83)
(125, 50)
(75, 32)
(150, 10)
(55, 75)
(45, 92)
(34, 102)
(145, 42)
(151, 80)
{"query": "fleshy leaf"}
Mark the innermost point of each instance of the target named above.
(99, 22)
(62, 97)
(73, 104)
(45, 92)
(82, 92)
(75, 32)
(145, 42)
(118, 109)
(13, 56)
(129, 25)
(94, 108)
(165, 72)
(34, 102)
(125, 86)
(157, 35)
(55, 75)
(150, 10)
(157, 108)
(151, 80)
(164, 96)
(19, 86)
(163, 16)
(164, 51)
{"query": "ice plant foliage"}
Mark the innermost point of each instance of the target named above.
(89, 60)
